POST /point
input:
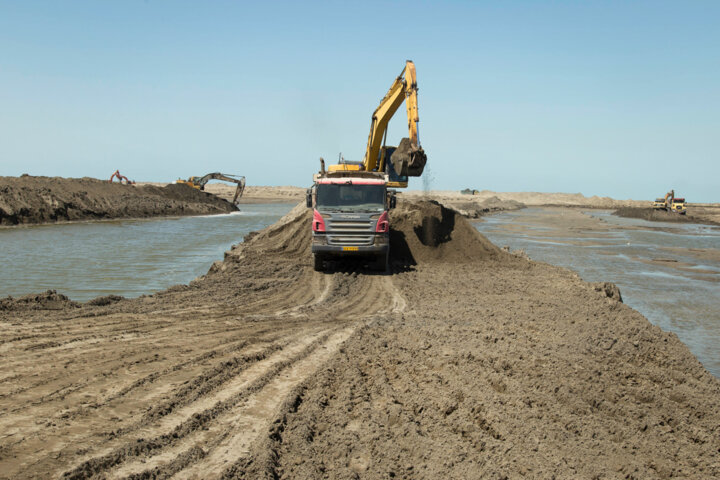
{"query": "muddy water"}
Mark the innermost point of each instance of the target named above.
(127, 257)
(668, 272)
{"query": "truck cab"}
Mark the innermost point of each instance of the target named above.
(659, 204)
(350, 217)
(678, 206)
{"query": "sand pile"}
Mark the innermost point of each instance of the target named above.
(476, 208)
(49, 300)
(426, 231)
(28, 200)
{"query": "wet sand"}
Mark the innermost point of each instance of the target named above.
(464, 361)
(670, 272)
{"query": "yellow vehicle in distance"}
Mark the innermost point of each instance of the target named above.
(678, 206)
(659, 204)
(670, 203)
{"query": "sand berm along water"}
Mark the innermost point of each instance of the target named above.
(464, 361)
(30, 200)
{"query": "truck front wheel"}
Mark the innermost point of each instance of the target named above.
(318, 262)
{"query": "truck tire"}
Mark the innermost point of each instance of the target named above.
(318, 262)
(382, 262)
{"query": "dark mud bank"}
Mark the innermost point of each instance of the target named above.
(653, 215)
(34, 200)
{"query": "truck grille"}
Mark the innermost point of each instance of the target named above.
(350, 239)
(349, 231)
(350, 226)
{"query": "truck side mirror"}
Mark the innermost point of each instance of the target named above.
(308, 199)
(393, 202)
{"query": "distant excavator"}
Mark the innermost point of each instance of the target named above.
(121, 178)
(199, 182)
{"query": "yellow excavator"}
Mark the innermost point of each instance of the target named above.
(663, 203)
(408, 159)
(199, 182)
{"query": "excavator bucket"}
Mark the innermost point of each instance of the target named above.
(239, 190)
(408, 159)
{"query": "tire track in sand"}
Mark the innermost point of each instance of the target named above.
(246, 423)
(191, 423)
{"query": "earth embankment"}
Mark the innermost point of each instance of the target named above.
(661, 216)
(463, 362)
(30, 200)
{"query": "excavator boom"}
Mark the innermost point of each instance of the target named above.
(200, 182)
(408, 159)
(121, 178)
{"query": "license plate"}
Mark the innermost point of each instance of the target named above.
(350, 249)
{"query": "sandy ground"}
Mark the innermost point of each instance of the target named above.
(464, 362)
(528, 198)
(30, 200)
(485, 198)
(259, 194)
(474, 206)
(705, 211)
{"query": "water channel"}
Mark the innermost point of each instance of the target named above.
(84, 260)
(669, 272)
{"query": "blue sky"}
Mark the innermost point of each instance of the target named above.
(603, 98)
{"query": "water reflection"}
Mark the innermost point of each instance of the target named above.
(669, 272)
(124, 257)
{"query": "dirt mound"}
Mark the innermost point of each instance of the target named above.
(494, 204)
(49, 300)
(609, 289)
(426, 231)
(475, 208)
(104, 300)
(653, 215)
(28, 199)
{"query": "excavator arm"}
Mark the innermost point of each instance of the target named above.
(121, 178)
(409, 158)
(671, 196)
(199, 182)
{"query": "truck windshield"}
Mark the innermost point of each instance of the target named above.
(351, 197)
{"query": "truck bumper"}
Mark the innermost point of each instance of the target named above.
(380, 246)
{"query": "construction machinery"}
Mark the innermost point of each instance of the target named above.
(121, 178)
(659, 204)
(678, 206)
(351, 200)
(670, 203)
(408, 158)
(200, 182)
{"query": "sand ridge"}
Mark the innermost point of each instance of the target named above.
(31, 200)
